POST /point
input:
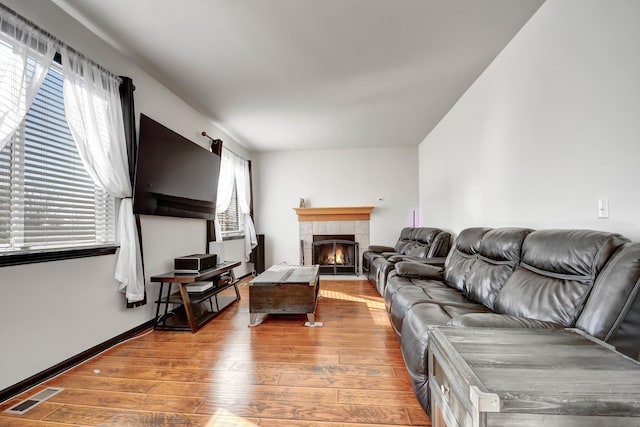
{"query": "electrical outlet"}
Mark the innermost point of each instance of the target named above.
(603, 207)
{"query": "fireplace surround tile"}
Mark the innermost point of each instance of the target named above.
(305, 227)
(358, 227)
(320, 227)
(334, 227)
(361, 227)
(347, 227)
(363, 241)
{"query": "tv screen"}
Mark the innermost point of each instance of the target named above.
(174, 176)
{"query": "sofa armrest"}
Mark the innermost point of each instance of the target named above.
(438, 261)
(431, 261)
(419, 270)
(379, 248)
(494, 320)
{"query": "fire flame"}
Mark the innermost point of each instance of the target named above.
(338, 259)
(328, 257)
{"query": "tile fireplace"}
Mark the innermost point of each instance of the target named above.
(345, 227)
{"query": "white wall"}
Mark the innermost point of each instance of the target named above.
(552, 125)
(326, 178)
(59, 309)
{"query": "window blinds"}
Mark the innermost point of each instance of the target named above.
(229, 219)
(46, 197)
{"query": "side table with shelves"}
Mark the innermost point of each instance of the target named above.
(180, 310)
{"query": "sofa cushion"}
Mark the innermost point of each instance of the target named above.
(418, 250)
(555, 276)
(418, 291)
(420, 318)
(419, 243)
(498, 256)
(404, 240)
(462, 256)
(612, 312)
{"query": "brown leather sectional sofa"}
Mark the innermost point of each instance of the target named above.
(518, 278)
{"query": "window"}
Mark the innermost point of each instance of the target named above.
(232, 221)
(47, 199)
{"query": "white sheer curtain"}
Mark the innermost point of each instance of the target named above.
(225, 188)
(234, 168)
(25, 56)
(94, 115)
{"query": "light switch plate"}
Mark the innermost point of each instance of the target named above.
(603, 207)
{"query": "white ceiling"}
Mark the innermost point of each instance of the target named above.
(300, 74)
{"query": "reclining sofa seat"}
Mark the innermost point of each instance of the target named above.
(418, 283)
(563, 278)
(415, 243)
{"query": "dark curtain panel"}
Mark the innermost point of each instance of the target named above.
(251, 190)
(216, 147)
(211, 233)
(129, 116)
(211, 229)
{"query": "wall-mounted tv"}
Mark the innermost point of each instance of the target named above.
(174, 176)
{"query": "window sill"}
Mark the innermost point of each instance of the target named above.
(45, 255)
(232, 237)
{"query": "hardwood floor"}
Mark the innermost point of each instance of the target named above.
(347, 373)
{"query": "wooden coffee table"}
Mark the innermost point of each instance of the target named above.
(283, 288)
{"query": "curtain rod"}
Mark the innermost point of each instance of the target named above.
(215, 141)
(56, 39)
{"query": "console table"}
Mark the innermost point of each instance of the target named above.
(484, 377)
(189, 311)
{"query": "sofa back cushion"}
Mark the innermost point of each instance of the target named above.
(404, 239)
(612, 311)
(462, 256)
(423, 242)
(498, 256)
(556, 274)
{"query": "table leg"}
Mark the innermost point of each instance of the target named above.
(235, 286)
(166, 306)
(158, 306)
(253, 319)
(186, 302)
(311, 323)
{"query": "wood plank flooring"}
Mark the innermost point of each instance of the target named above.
(347, 373)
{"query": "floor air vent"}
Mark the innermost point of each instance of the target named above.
(33, 401)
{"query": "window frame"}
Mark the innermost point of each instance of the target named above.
(30, 256)
(46, 255)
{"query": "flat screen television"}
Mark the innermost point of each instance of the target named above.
(174, 176)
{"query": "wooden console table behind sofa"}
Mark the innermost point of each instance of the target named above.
(484, 377)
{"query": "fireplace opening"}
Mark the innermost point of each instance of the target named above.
(335, 253)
